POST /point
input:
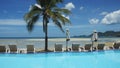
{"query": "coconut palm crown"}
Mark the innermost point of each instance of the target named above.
(47, 10)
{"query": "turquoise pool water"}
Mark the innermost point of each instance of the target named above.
(103, 59)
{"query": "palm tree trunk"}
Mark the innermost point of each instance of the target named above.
(45, 28)
(46, 37)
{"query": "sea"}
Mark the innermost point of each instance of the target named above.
(40, 42)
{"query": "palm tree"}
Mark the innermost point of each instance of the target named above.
(47, 10)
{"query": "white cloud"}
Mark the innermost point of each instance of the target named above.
(12, 22)
(41, 24)
(93, 21)
(66, 16)
(37, 5)
(104, 13)
(69, 6)
(19, 22)
(79, 26)
(81, 8)
(111, 18)
(30, 8)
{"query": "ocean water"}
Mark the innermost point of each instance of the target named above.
(39, 43)
(103, 59)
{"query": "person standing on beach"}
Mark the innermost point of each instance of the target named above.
(94, 38)
(67, 38)
(67, 35)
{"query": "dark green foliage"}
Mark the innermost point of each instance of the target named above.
(47, 9)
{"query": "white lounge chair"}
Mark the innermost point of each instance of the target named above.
(30, 49)
(109, 45)
(3, 49)
(58, 48)
(116, 45)
(75, 47)
(13, 49)
(100, 47)
(88, 47)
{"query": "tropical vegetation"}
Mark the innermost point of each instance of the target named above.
(47, 10)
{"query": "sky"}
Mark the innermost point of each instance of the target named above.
(87, 16)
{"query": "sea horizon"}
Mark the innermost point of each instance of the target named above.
(48, 37)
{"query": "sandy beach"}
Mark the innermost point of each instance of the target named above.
(39, 43)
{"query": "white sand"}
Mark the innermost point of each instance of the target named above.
(40, 43)
(62, 39)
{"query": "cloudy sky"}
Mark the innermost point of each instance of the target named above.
(87, 15)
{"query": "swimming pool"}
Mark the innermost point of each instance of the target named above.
(103, 59)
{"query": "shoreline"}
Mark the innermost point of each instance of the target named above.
(40, 43)
(48, 37)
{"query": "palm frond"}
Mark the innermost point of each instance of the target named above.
(57, 1)
(62, 11)
(57, 23)
(53, 3)
(41, 2)
(50, 9)
(30, 23)
(45, 3)
(59, 16)
(48, 3)
(63, 19)
(33, 12)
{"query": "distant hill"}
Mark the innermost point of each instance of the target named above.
(82, 36)
(109, 34)
(103, 34)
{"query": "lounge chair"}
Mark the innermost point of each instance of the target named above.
(58, 48)
(109, 45)
(75, 47)
(30, 49)
(100, 46)
(116, 46)
(13, 49)
(3, 49)
(88, 47)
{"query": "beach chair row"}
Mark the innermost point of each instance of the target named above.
(87, 47)
(14, 49)
(59, 48)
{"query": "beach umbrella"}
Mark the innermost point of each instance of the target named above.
(67, 38)
(94, 37)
